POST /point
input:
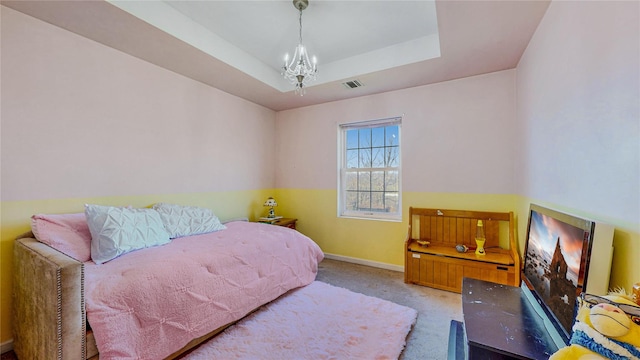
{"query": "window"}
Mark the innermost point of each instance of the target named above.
(369, 181)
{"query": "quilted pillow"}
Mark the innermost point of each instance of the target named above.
(67, 233)
(116, 231)
(187, 220)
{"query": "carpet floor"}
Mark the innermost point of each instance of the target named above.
(318, 321)
(436, 308)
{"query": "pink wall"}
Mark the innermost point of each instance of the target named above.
(80, 119)
(457, 136)
(578, 95)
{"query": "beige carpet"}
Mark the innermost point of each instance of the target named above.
(436, 308)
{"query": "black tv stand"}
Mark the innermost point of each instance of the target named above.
(501, 323)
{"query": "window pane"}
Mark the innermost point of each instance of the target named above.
(365, 158)
(391, 181)
(377, 137)
(351, 181)
(378, 157)
(377, 180)
(392, 156)
(352, 158)
(364, 181)
(351, 201)
(365, 138)
(364, 201)
(391, 135)
(352, 139)
(376, 201)
(391, 201)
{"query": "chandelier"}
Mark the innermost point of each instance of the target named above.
(300, 71)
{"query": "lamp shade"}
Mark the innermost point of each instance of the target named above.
(270, 202)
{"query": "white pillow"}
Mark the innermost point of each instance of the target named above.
(187, 220)
(116, 231)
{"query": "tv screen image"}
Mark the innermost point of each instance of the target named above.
(554, 253)
(564, 256)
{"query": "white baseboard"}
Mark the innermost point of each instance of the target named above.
(6, 346)
(371, 263)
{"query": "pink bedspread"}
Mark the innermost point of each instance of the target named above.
(150, 303)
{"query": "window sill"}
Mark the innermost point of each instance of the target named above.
(376, 218)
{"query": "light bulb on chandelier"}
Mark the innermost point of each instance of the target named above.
(300, 71)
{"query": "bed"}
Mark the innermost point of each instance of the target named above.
(155, 302)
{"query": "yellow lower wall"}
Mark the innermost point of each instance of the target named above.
(378, 241)
(316, 211)
(15, 216)
(381, 241)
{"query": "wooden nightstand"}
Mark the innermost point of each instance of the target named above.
(286, 222)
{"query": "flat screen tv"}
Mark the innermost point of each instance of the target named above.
(565, 255)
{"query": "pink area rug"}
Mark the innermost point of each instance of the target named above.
(318, 321)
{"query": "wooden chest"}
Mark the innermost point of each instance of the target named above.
(439, 265)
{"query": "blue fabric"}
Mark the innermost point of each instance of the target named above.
(582, 339)
(632, 349)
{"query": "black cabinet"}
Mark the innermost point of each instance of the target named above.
(501, 323)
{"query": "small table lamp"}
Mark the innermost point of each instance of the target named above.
(271, 203)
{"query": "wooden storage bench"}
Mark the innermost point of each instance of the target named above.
(439, 265)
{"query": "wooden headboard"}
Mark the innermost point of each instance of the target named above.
(451, 227)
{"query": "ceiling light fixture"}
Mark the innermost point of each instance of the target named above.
(300, 71)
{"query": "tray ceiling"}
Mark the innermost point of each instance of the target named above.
(239, 46)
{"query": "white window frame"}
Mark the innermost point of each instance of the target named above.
(342, 169)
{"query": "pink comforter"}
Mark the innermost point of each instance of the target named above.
(150, 303)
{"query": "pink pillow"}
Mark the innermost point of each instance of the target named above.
(67, 233)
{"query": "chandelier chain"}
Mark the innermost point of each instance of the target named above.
(300, 28)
